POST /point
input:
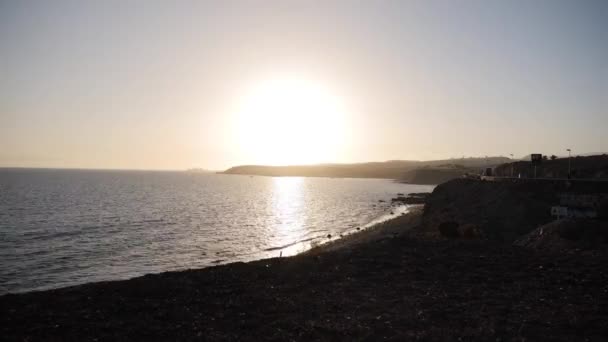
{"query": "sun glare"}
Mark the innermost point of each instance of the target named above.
(290, 121)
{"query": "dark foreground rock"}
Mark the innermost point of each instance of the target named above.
(567, 234)
(395, 289)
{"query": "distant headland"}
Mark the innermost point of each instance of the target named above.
(439, 171)
(392, 169)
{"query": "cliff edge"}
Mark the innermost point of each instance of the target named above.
(501, 210)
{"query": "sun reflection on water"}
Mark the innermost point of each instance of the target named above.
(289, 210)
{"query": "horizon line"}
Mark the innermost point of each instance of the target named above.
(268, 165)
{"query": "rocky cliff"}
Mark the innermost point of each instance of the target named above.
(503, 210)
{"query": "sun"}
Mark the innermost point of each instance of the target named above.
(290, 121)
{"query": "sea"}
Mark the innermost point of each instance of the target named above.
(61, 228)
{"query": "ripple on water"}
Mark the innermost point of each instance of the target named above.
(66, 227)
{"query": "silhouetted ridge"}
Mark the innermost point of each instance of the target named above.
(393, 169)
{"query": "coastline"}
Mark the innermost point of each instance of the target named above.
(391, 228)
(380, 283)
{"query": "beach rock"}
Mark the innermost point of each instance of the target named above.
(469, 231)
(419, 194)
(449, 229)
(413, 198)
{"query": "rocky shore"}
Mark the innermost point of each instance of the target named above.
(392, 282)
(394, 289)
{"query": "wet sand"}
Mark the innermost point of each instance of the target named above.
(375, 286)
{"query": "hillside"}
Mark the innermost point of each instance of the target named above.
(502, 211)
(394, 169)
(582, 167)
(435, 175)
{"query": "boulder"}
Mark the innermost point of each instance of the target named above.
(449, 229)
(469, 231)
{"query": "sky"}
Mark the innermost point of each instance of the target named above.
(213, 84)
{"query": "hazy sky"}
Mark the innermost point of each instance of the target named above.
(164, 84)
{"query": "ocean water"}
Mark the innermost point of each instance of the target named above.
(66, 227)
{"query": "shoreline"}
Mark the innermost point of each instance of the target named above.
(390, 228)
(395, 288)
(385, 282)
